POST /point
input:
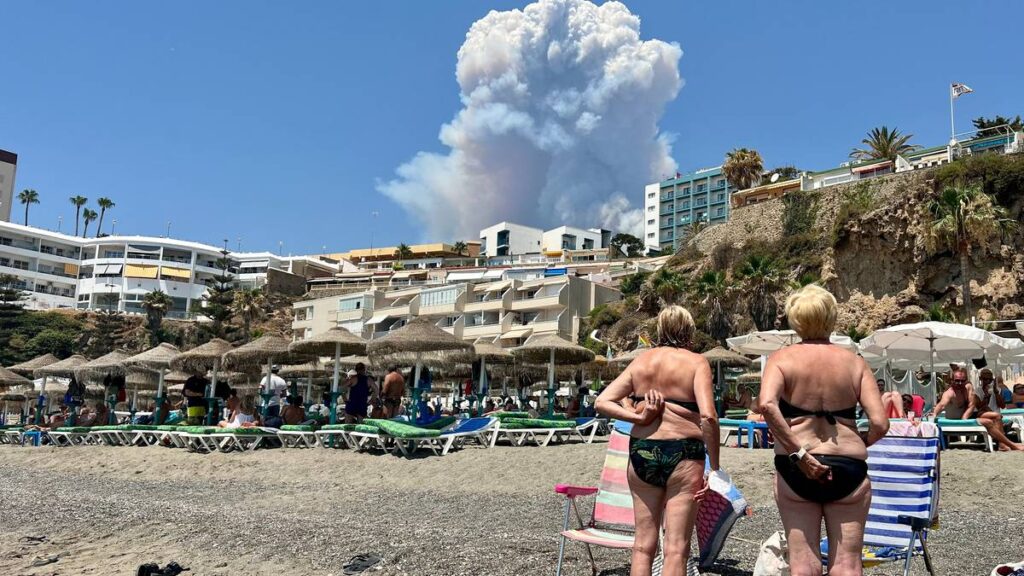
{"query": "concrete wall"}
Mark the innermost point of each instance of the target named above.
(8, 165)
(281, 282)
(522, 239)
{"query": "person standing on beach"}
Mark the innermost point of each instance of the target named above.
(393, 391)
(809, 397)
(359, 390)
(194, 392)
(674, 427)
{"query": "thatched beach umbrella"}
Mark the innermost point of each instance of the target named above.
(264, 349)
(111, 364)
(493, 354)
(62, 369)
(200, 359)
(334, 342)
(419, 338)
(555, 351)
(9, 379)
(156, 359)
(28, 367)
(719, 357)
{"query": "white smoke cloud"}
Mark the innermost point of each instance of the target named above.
(559, 125)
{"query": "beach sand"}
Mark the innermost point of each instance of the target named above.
(103, 510)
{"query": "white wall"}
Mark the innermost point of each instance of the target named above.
(6, 190)
(652, 208)
(552, 239)
(522, 239)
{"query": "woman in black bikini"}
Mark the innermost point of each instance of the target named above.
(674, 425)
(809, 397)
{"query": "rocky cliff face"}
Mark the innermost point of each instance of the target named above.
(866, 242)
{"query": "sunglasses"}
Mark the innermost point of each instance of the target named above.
(958, 381)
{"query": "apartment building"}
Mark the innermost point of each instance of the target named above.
(501, 310)
(673, 204)
(507, 243)
(116, 272)
(8, 166)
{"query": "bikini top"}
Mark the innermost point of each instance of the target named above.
(691, 406)
(790, 411)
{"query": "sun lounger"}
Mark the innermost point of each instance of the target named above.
(336, 435)
(969, 428)
(196, 438)
(755, 432)
(245, 439)
(482, 430)
(116, 435)
(365, 436)
(10, 435)
(539, 431)
(904, 471)
(297, 436)
(586, 429)
(69, 436)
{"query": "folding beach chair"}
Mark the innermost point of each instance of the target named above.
(754, 432)
(904, 472)
(586, 429)
(335, 435)
(297, 436)
(68, 436)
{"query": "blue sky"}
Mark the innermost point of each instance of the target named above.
(274, 121)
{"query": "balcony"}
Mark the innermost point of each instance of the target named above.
(537, 303)
(718, 186)
(484, 306)
(349, 315)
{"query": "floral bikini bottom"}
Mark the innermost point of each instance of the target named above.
(655, 460)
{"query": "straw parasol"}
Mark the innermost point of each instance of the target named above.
(156, 359)
(334, 342)
(111, 364)
(420, 339)
(9, 379)
(555, 351)
(202, 358)
(749, 378)
(264, 349)
(494, 354)
(62, 369)
(28, 367)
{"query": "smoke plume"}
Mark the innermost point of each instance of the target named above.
(559, 124)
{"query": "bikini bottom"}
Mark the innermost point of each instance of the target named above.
(847, 476)
(654, 460)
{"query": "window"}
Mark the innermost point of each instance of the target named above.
(650, 208)
(685, 190)
(350, 304)
(113, 254)
(721, 196)
(719, 211)
(439, 297)
(702, 187)
(651, 195)
(686, 205)
(650, 234)
(650, 222)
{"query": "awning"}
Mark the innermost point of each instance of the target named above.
(419, 273)
(465, 276)
(145, 249)
(180, 273)
(492, 274)
(378, 318)
(71, 269)
(104, 269)
(140, 271)
(514, 333)
(495, 286)
(872, 167)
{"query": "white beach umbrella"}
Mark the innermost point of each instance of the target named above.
(768, 341)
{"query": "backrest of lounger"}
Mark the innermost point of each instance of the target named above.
(904, 481)
(472, 425)
(614, 505)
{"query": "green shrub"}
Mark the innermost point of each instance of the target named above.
(630, 285)
(800, 211)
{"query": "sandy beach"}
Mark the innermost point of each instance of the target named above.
(101, 510)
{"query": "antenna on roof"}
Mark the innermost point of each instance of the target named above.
(774, 178)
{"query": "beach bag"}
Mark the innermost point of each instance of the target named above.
(773, 557)
(716, 514)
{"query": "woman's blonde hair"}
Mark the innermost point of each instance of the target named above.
(675, 327)
(812, 311)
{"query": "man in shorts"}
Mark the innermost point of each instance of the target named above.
(194, 392)
(393, 391)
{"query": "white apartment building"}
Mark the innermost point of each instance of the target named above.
(507, 243)
(504, 311)
(116, 272)
(8, 166)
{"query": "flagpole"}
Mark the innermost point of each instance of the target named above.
(952, 126)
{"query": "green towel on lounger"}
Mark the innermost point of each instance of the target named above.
(440, 424)
(245, 431)
(199, 429)
(74, 429)
(505, 415)
(296, 428)
(340, 427)
(524, 423)
(167, 428)
(402, 430)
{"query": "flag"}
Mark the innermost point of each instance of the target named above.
(960, 89)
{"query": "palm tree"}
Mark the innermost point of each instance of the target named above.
(667, 285)
(460, 248)
(78, 201)
(88, 215)
(104, 204)
(962, 218)
(762, 280)
(743, 168)
(249, 306)
(713, 289)
(28, 198)
(156, 304)
(883, 144)
(404, 252)
(692, 229)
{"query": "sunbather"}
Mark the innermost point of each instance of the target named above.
(239, 414)
(892, 401)
(961, 401)
(393, 390)
(669, 440)
(293, 412)
(98, 416)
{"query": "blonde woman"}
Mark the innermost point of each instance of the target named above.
(674, 426)
(809, 397)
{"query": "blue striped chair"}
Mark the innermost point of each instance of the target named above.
(904, 472)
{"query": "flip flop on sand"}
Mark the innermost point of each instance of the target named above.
(360, 563)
